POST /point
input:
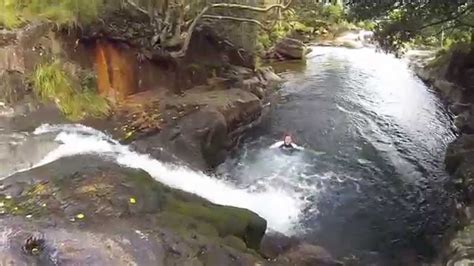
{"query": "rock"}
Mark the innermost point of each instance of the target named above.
(24, 48)
(458, 108)
(307, 255)
(88, 211)
(458, 151)
(291, 49)
(460, 163)
(269, 75)
(12, 87)
(204, 137)
(199, 139)
(275, 244)
(461, 248)
(253, 85)
(461, 121)
(449, 90)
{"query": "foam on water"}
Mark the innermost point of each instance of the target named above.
(277, 204)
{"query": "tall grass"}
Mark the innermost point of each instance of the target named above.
(52, 83)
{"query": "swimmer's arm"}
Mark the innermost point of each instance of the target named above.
(298, 147)
(276, 145)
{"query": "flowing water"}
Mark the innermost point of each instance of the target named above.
(369, 185)
(372, 176)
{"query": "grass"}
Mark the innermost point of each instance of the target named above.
(52, 83)
(62, 12)
(10, 16)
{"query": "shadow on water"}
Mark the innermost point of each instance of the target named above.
(374, 191)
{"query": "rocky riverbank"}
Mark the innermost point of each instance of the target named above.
(452, 76)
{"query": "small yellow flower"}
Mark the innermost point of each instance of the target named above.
(133, 201)
(80, 216)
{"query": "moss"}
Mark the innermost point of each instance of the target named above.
(186, 225)
(235, 242)
(227, 220)
(197, 212)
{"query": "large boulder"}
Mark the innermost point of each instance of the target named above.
(289, 48)
(204, 137)
(308, 255)
(83, 210)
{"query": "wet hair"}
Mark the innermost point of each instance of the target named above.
(34, 245)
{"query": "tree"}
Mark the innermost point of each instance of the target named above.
(174, 20)
(403, 21)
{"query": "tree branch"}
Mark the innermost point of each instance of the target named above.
(254, 21)
(449, 18)
(253, 8)
(134, 5)
(187, 40)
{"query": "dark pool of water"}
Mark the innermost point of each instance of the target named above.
(372, 175)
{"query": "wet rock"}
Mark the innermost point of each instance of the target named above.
(268, 75)
(275, 244)
(458, 108)
(461, 248)
(12, 87)
(459, 152)
(204, 137)
(308, 255)
(199, 138)
(288, 49)
(90, 211)
(462, 120)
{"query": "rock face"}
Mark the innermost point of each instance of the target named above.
(460, 164)
(204, 137)
(85, 211)
(452, 77)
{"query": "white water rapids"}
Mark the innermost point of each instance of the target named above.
(280, 207)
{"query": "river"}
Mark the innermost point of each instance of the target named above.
(369, 186)
(372, 176)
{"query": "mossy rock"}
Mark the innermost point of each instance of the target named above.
(235, 242)
(92, 191)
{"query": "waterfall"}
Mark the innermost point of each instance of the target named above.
(280, 207)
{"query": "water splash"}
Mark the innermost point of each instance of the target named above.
(278, 205)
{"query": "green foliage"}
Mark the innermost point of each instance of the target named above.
(332, 13)
(61, 12)
(52, 83)
(306, 19)
(433, 23)
(10, 16)
(366, 25)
